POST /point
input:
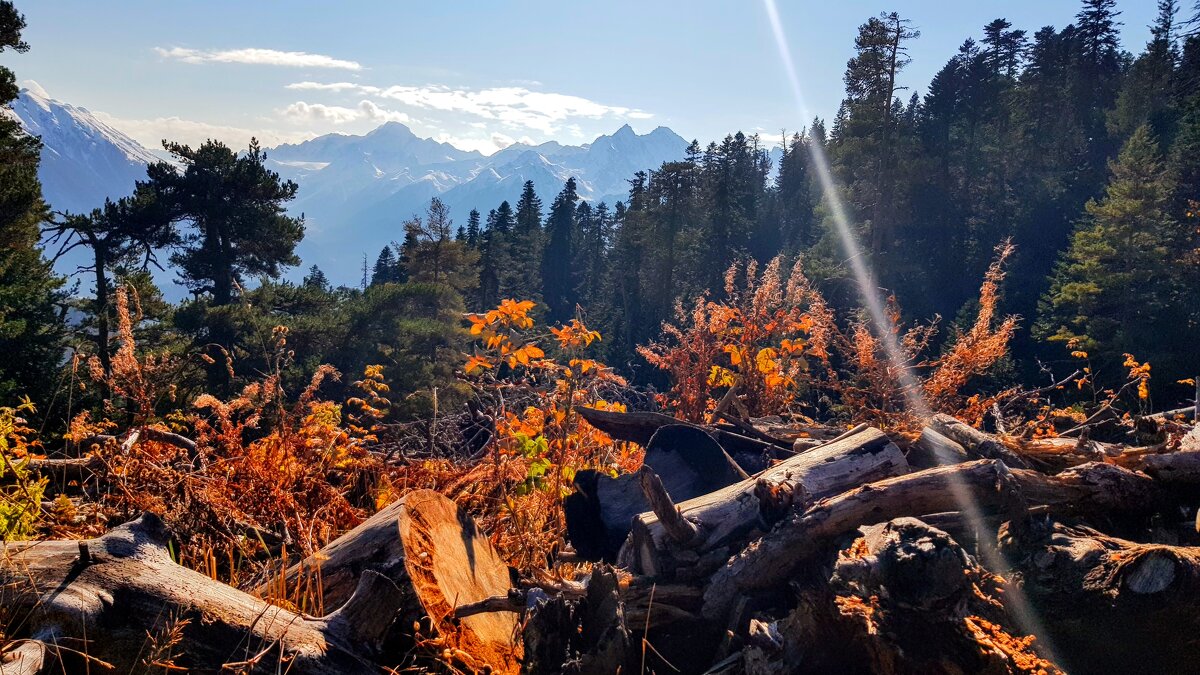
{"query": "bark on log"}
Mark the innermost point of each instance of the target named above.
(988, 484)
(688, 461)
(934, 449)
(1110, 605)
(126, 593)
(728, 515)
(424, 543)
(976, 442)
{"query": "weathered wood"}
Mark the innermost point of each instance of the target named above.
(976, 442)
(130, 592)
(423, 543)
(686, 458)
(983, 485)
(682, 530)
(728, 515)
(934, 449)
(1108, 604)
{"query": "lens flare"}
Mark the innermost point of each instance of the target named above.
(873, 300)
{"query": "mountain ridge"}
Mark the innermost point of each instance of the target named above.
(355, 190)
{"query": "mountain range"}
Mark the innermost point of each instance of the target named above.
(355, 191)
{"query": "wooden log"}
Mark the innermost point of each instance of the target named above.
(934, 449)
(976, 442)
(1108, 604)
(425, 543)
(728, 515)
(126, 592)
(688, 461)
(983, 485)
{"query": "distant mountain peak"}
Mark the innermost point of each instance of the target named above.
(84, 160)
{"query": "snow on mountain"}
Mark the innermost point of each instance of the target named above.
(84, 160)
(355, 191)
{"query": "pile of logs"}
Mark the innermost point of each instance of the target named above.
(748, 547)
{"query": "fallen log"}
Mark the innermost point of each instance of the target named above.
(934, 449)
(111, 598)
(976, 443)
(982, 485)
(424, 543)
(1108, 604)
(599, 512)
(728, 515)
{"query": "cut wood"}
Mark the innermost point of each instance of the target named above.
(725, 516)
(688, 461)
(1109, 604)
(426, 546)
(984, 485)
(113, 597)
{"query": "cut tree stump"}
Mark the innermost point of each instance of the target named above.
(1110, 605)
(118, 598)
(687, 460)
(728, 515)
(985, 485)
(424, 543)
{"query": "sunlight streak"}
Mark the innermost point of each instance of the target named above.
(872, 298)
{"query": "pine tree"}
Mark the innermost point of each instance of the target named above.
(1111, 289)
(433, 256)
(558, 289)
(31, 322)
(1146, 96)
(385, 267)
(528, 241)
(234, 208)
(316, 279)
(472, 233)
(121, 234)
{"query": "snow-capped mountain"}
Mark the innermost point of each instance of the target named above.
(355, 191)
(84, 160)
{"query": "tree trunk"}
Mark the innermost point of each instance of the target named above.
(983, 485)
(425, 543)
(1110, 605)
(121, 599)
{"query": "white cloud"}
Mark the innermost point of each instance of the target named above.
(307, 112)
(151, 132)
(370, 111)
(265, 57)
(301, 111)
(514, 107)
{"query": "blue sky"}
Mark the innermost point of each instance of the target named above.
(477, 74)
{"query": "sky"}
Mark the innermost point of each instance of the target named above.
(478, 74)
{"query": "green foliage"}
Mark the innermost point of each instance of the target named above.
(1111, 291)
(20, 493)
(31, 295)
(234, 208)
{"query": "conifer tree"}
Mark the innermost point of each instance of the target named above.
(527, 241)
(472, 231)
(558, 289)
(234, 208)
(31, 321)
(1111, 289)
(316, 279)
(385, 267)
